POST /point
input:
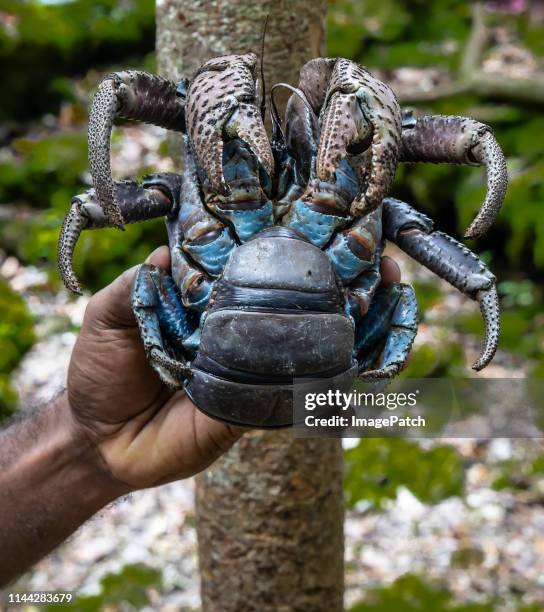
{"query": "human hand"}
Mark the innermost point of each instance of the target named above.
(143, 432)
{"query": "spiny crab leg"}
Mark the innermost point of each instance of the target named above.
(488, 153)
(360, 112)
(460, 140)
(131, 95)
(413, 232)
(221, 104)
(489, 307)
(157, 197)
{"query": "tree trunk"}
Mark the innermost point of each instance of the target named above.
(270, 513)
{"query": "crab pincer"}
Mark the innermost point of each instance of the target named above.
(360, 113)
(221, 106)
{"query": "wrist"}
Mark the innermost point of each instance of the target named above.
(50, 484)
(83, 457)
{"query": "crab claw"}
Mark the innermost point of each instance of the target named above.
(360, 112)
(229, 82)
(488, 153)
(489, 307)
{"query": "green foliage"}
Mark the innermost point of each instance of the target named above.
(393, 33)
(410, 593)
(377, 467)
(430, 360)
(44, 42)
(8, 397)
(47, 172)
(518, 473)
(128, 590)
(428, 294)
(16, 337)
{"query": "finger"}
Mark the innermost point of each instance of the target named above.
(111, 307)
(160, 258)
(389, 270)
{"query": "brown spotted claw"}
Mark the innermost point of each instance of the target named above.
(359, 112)
(221, 104)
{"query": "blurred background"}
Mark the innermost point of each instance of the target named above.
(456, 524)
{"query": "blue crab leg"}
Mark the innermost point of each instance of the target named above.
(360, 114)
(312, 207)
(157, 197)
(315, 208)
(247, 207)
(160, 313)
(323, 208)
(354, 250)
(386, 332)
(201, 236)
(413, 232)
(199, 243)
(460, 140)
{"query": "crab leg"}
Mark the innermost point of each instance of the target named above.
(386, 333)
(361, 290)
(229, 82)
(200, 235)
(413, 232)
(131, 95)
(195, 236)
(313, 207)
(157, 197)
(159, 311)
(247, 208)
(460, 140)
(354, 250)
(295, 151)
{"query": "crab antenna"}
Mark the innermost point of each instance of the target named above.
(277, 132)
(263, 94)
(295, 90)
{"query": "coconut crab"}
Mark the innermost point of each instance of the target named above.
(276, 246)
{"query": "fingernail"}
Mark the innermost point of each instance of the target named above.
(155, 252)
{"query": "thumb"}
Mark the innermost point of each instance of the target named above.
(111, 307)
